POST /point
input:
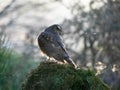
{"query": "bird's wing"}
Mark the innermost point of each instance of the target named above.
(66, 56)
(62, 46)
(54, 43)
(54, 47)
(50, 38)
(58, 43)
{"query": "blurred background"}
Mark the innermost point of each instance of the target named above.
(91, 36)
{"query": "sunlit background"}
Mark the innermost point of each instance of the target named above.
(91, 35)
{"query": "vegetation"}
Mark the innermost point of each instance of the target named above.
(53, 76)
(13, 67)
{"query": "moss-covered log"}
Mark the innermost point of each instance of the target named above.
(54, 76)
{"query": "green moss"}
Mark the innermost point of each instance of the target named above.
(53, 76)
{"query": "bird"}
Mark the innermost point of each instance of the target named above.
(50, 42)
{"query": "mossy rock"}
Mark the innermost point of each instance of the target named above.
(54, 76)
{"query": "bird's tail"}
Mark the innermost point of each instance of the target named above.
(71, 62)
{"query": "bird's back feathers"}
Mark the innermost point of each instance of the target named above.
(51, 44)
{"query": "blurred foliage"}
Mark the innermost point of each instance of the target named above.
(13, 67)
(99, 28)
(54, 76)
(99, 31)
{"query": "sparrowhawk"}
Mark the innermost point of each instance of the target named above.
(50, 43)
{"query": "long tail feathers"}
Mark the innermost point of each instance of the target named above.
(71, 62)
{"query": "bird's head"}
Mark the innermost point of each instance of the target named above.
(55, 28)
